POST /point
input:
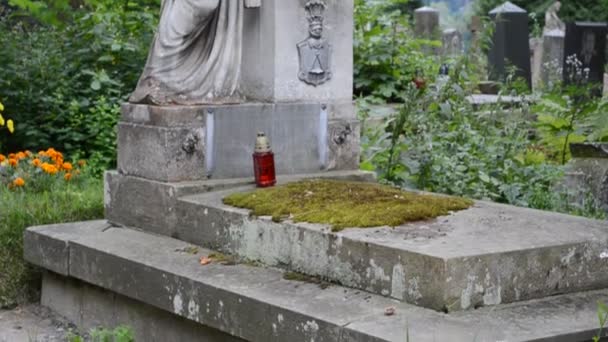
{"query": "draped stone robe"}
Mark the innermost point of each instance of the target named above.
(196, 54)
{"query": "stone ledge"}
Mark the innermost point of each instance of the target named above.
(90, 307)
(256, 304)
(487, 255)
(151, 205)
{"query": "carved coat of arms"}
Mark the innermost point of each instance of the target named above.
(315, 51)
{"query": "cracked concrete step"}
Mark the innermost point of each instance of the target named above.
(257, 304)
(487, 255)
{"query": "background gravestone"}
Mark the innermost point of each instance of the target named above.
(536, 56)
(510, 44)
(427, 25)
(552, 56)
(427, 22)
(452, 42)
(586, 41)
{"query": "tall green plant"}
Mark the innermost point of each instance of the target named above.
(387, 57)
(571, 113)
(66, 82)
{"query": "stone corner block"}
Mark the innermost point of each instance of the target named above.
(169, 154)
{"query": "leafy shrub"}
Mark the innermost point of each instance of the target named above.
(596, 10)
(438, 142)
(571, 113)
(66, 82)
(387, 58)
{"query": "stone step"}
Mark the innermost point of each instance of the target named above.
(258, 304)
(487, 255)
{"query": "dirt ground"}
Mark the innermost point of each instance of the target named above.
(32, 323)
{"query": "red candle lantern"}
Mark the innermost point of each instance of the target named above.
(263, 162)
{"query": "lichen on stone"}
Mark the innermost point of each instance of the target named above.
(343, 204)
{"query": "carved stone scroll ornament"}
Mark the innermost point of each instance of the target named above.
(315, 52)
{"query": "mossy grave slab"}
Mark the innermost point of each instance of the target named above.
(343, 204)
(488, 254)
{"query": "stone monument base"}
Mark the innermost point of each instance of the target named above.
(100, 274)
(191, 143)
(587, 175)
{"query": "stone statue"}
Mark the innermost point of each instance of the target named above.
(552, 21)
(195, 57)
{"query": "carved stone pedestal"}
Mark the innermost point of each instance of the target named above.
(176, 144)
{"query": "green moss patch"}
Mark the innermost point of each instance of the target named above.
(345, 204)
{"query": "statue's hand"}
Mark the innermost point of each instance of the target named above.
(253, 3)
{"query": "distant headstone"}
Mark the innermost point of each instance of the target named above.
(511, 45)
(426, 23)
(552, 56)
(585, 51)
(536, 56)
(475, 27)
(452, 42)
(605, 85)
(587, 173)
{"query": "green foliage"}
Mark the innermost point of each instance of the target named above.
(119, 334)
(387, 58)
(570, 114)
(438, 142)
(66, 202)
(52, 12)
(590, 10)
(602, 315)
(66, 82)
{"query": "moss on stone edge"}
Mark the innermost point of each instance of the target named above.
(345, 204)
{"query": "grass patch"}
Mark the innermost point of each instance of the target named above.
(345, 204)
(19, 282)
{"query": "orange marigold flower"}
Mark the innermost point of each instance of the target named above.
(21, 156)
(82, 163)
(18, 182)
(28, 153)
(67, 166)
(12, 156)
(67, 177)
(42, 154)
(2, 158)
(50, 169)
(36, 162)
(13, 162)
